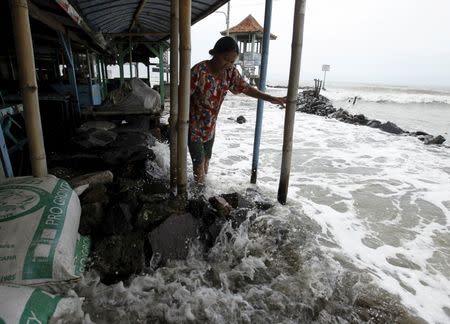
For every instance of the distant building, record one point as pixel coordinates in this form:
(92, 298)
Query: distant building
(249, 36)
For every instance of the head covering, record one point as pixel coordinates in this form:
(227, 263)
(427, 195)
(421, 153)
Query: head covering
(225, 44)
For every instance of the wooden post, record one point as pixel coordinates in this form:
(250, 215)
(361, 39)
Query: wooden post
(121, 68)
(294, 74)
(131, 60)
(174, 68)
(148, 72)
(184, 94)
(28, 85)
(137, 70)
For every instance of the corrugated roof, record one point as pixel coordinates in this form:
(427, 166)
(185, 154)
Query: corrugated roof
(246, 26)
(117, 16)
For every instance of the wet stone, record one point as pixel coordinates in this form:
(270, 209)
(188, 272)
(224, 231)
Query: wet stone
(91, 218)
(118, 219)
(391, 128)
(222, 206)
(241, 120)
(124, 154)
(182, 229)
(95, 194)
(93, 138)
(435, 140)
(117, 257)
(374, 123)
(152, 214)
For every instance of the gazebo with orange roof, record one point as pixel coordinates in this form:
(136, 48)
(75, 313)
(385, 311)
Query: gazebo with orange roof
(249, 36)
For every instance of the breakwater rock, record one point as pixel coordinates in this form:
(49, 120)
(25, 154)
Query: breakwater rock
(308, 103)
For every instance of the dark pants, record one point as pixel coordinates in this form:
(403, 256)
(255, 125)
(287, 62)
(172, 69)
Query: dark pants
(199, 151)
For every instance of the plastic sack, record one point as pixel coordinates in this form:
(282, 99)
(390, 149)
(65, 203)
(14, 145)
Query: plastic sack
(39, 240)
(24, 305)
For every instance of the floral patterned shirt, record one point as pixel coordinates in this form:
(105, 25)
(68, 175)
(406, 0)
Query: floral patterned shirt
(207, 94)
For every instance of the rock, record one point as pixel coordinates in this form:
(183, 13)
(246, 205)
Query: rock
(340, 114)
(391, 128)
(260, 202)
(127, 138)
(152, 214)
(419, 133)
(93, 138)
(81, 161)
(241, 120)
(171, 239)
(360, 119)
(120, 155)
(374, 123)
(118, 219)
(222, 206)
(92, 178)
(95, 194)
(98, 124)
(91, 218)
(435, 140)
(119, 256)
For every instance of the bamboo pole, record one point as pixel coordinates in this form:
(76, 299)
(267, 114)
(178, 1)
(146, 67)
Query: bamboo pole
(28, 85)
(174, 68)
(184, 94)
(294, 74)
(131, 59)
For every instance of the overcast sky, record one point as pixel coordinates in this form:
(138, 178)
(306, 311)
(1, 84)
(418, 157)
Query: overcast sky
(397, 42)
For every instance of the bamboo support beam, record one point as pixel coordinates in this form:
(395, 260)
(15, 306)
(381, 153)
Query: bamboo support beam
(28, 85)
(174, 68)
(184, 94)
(294, 74)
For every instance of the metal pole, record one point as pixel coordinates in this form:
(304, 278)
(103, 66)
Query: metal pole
(262, 87)
(105, 78)
(228, 18)
(294, 74)
(184, 94)
(137, 70)
(148, 73)
(67, 47)
(162, 91)
(28, 85)
(174, 68)
(88, 58)
(324, 76)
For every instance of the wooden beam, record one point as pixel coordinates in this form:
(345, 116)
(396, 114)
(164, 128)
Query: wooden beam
(97, 37)
(50, 21)
(137, 13)
(137, 34)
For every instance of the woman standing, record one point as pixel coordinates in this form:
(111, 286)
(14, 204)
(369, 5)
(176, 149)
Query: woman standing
(210, 81)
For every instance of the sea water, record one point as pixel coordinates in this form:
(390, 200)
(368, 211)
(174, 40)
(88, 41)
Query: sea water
(367, 212)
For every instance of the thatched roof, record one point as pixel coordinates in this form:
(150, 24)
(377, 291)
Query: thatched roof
(247, 26)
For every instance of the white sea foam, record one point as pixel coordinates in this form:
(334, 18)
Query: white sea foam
(356, 194)
(382, 198)
(386, 94)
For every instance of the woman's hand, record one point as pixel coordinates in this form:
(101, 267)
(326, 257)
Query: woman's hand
(278, 100)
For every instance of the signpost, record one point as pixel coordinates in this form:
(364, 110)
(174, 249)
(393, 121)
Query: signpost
(325, 69)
